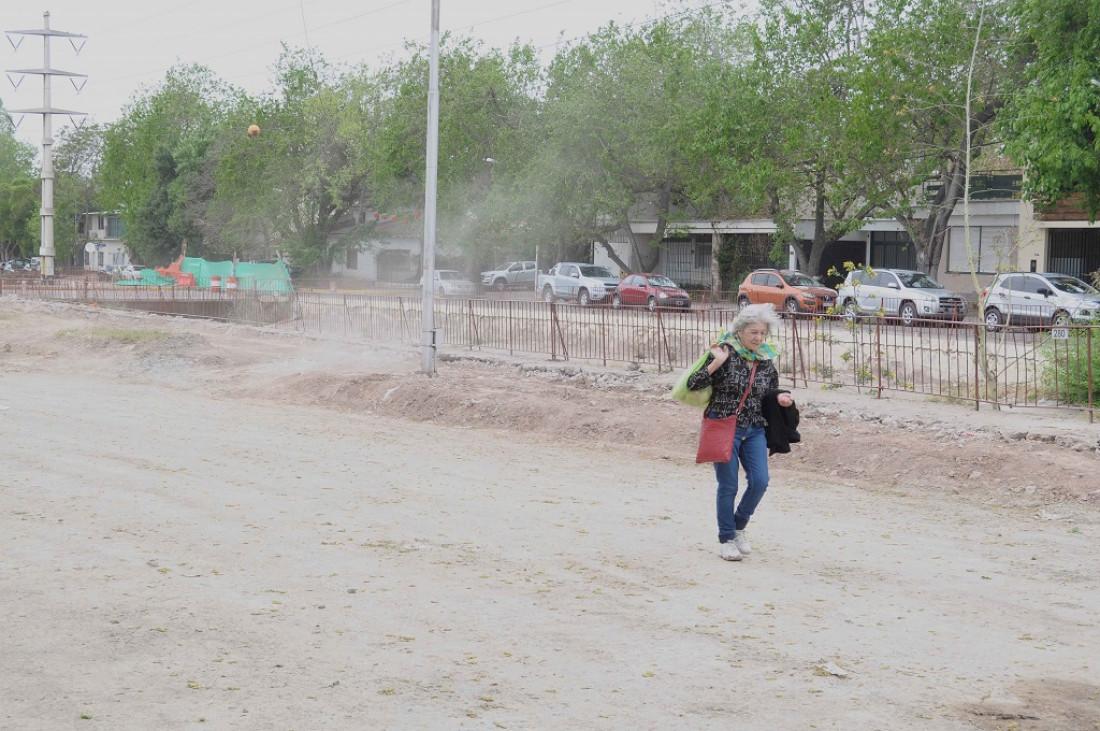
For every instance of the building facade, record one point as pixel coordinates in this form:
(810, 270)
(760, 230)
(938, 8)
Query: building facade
(996, 231)
(104, 247)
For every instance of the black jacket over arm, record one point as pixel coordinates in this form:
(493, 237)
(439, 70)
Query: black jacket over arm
(782, 427)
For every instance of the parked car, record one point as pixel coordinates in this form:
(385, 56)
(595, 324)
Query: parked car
(789, 290)
(586, 282)
(31, 264)
(651, 290)
(1039, 298)
(130, 271)
(451, 283)
(906, 294)
(511, 275)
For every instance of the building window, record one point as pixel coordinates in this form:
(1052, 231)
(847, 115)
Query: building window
(115, 229)
(353, 259)
(990, 249)
(892, 250)
(703, 255)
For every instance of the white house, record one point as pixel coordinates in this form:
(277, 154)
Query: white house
(390, 253)
(104, 247)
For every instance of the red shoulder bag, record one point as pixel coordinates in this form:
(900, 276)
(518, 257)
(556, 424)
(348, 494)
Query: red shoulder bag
(716, 435)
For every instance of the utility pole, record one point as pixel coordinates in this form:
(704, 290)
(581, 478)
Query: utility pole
(427, 295)
(47, 110)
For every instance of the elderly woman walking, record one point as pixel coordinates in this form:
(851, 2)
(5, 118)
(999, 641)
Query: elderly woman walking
(730, 365)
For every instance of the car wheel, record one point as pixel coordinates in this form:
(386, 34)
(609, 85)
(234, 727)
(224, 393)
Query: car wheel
(583, 298)
(743, 302)
(993, 318)
(851, 309)
(791, 306)
(548, 294)
(439, 292)
(908, 313)
(616, 301)
(1061, 319)
(500, 285)
(651, 303)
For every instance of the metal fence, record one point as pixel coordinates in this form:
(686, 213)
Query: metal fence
(967, 362)
(958, 361)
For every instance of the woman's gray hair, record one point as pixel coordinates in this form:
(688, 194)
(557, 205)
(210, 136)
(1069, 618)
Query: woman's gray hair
(753, 314)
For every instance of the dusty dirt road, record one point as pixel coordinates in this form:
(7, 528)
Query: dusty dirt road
(205, 526)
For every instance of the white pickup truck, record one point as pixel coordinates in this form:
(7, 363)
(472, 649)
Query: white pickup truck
(585, 283)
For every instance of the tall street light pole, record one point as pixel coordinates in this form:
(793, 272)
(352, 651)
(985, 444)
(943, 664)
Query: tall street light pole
(427, 297)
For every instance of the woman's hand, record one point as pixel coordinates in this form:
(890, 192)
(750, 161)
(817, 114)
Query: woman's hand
(721, 355)
(785, 399)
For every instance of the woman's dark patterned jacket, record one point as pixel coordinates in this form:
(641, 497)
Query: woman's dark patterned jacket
(729, 381)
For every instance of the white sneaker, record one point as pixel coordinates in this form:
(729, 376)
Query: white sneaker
(742, 542)
(729, 551)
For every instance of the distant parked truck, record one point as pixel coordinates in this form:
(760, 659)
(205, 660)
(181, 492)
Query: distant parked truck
(586, 283)
(513, 275)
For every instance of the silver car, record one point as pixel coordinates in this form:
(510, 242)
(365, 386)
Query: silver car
(451, 283)
(1039, 298)
(906, 294)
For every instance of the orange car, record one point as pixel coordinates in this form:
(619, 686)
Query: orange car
(790, 291)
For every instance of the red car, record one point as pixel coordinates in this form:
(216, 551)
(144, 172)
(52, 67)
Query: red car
(651, 290)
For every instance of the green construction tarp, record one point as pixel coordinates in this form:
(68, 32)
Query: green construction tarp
(149, 278)
(273, 278)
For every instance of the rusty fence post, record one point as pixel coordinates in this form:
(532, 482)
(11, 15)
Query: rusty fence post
(1088, 352)
(475, 335)
(553, 331)
(978, 367)
(878, 354)
(603, 336)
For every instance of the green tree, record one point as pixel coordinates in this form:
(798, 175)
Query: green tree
(20, 228)
(487, 100)
(824, 143)
(76, 159)
(298, 179)
(619, 136)
(149, 159)
(942, 68)
(1052, 121)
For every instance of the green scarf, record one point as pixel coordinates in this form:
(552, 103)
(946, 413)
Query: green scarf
(768, 349)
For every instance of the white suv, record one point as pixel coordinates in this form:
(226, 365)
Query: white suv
(903, 293)
(1033, 298)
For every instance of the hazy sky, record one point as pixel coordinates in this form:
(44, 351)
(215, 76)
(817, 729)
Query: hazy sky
(131, 43)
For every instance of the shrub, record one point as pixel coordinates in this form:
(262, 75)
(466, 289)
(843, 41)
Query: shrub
(1065, 369)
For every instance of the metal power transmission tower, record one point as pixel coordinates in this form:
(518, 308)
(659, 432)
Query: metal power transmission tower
(47, 110)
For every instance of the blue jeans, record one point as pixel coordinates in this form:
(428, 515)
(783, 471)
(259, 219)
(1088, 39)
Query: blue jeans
(750, 448)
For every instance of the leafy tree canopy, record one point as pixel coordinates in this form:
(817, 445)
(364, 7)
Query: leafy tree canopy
(1052, 122)
(150, 155)
(20, 228)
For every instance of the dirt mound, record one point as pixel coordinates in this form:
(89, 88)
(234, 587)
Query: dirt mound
(853, 439)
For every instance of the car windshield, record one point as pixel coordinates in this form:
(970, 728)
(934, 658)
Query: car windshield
(448, 274)
(594, 271)
(918, 280)
(661, 282)
(798, 279)
(1073, 285)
